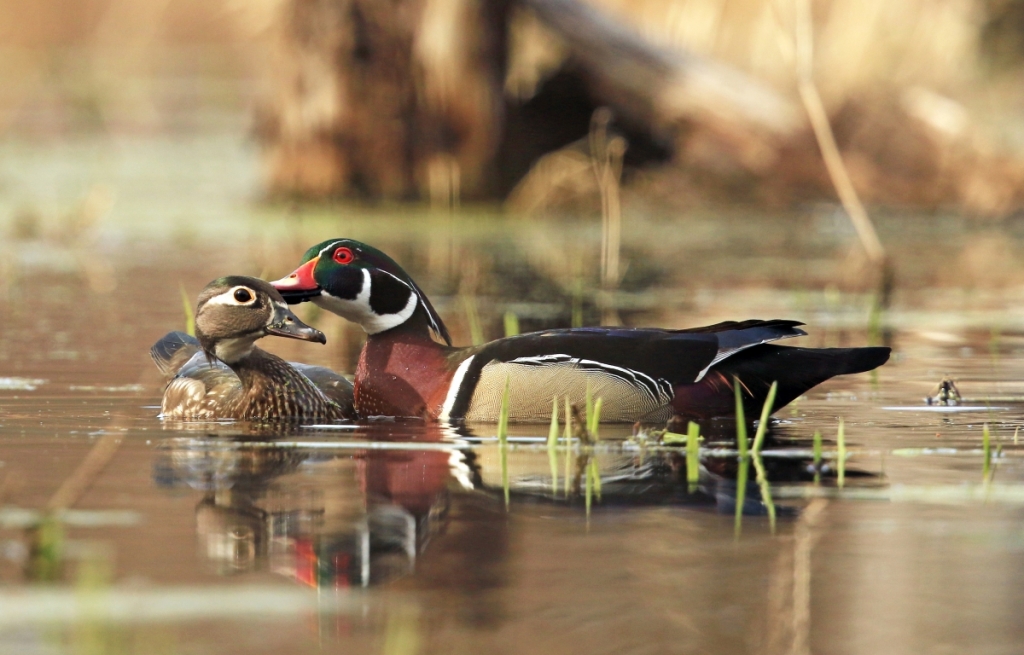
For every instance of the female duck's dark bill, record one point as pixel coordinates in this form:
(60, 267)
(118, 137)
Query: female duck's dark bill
(296, 330)
(287, 324)
(299, 286)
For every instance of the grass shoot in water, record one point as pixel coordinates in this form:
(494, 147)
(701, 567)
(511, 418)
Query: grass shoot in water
(577, 303)
(692, 455)
(552, 445)
(743, 460)
(46, 550)
(190, 317)
(588, 490)
(841, 456)
(766, 411)
(476, 332)
(595, 473)
(503, 440)
(741, 421)
(511, 324)
(762, 476)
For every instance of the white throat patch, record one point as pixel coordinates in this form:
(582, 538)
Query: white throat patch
(358, 310)
(230, 351)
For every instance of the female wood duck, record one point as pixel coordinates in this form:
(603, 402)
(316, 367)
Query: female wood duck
(222, 375)
(644, 374)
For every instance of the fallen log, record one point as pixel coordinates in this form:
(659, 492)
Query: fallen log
(405, 100)
(670, 90)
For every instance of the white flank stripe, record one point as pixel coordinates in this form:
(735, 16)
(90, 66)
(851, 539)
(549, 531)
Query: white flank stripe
(453, 388)
(657, 390)
(651, 389)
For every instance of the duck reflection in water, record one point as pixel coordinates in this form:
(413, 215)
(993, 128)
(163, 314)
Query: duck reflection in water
(365, 516)
(352, 520)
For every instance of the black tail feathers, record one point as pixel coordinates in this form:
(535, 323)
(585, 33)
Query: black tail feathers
(797, 370)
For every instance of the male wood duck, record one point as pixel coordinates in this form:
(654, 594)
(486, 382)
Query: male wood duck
(223, 375)
(644, 374)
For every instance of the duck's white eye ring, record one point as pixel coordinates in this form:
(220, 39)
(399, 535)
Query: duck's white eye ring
(240, 296)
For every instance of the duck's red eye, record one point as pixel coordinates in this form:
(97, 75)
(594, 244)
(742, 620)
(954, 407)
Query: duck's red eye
(343, 256)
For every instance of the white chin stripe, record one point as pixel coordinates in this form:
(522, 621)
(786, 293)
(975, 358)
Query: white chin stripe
(358, 310)
(453, 389)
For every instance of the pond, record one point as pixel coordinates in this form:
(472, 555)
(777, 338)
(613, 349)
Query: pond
(120, 533)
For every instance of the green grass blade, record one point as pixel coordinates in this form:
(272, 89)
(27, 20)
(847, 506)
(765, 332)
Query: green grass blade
(476, 332)
(595, 420)
(46, 552)
(743, 460)
(669, 438)
(511, 324)
(741, 420)
(766, 490)
(766, 411)
(588, 490)
(190, 317)
(577, 303)
(759, 470)
(595, 472)
(692, 455)
(741, 494)
(589, 407)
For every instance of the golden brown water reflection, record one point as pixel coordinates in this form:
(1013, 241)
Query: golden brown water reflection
(394, 537)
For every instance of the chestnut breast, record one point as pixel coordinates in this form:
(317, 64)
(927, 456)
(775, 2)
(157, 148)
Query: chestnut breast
(401, 376)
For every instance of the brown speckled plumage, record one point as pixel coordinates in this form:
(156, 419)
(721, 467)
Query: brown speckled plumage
(261, 386)
(220, 374)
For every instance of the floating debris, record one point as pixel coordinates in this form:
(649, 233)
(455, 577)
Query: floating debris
(20, 518)
(20, 384)
(108, 388)
(944, 409)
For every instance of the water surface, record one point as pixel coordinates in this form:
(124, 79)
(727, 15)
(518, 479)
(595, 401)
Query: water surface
(395, 537)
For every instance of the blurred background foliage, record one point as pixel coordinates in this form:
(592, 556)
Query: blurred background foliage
(442, 101)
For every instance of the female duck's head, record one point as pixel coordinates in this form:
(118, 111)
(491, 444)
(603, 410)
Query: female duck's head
(361, 284)
(235, 311)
